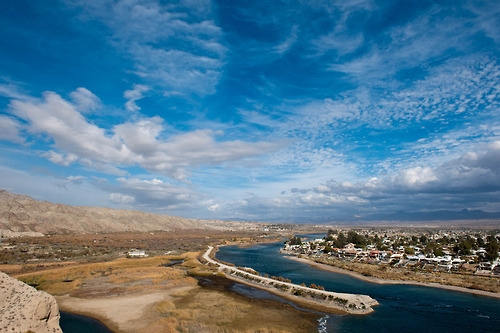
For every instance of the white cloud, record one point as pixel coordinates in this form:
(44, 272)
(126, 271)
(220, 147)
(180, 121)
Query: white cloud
(472, 180)
(134, 95)
(132, 143)
(288, 42)
(75, 179)
(11, 89)
(120, 198)
(158, 194)
(60, 159)
(213, 207)
(10, 129)
(165, 41)
(43, 186)
(85, 100)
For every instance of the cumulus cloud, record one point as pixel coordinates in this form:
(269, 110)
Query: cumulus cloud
(472, 180)
(131, 143)
(61, 159)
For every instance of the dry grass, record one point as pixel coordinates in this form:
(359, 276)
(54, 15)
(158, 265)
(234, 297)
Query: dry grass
(203, 310)
(129, 274)
(193, 309)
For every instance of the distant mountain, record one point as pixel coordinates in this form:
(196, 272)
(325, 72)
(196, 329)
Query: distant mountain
(30, 217)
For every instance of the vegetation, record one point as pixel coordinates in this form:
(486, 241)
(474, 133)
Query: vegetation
(295, 241)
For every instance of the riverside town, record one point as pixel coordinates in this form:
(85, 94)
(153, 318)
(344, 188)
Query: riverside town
(469, 252)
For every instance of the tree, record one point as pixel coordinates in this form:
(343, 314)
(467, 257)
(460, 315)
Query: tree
(423, 239)
(340, 242)
(355, 238)
(492, 248)
(438, 252)
(332, 232)
(329, 238)
(295, 241)
(409, 250)
(327, 249)
(464, 246)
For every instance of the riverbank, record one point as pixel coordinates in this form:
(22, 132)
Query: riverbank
(121, 314)
(328, 301)
(166, 294)
(388, 281)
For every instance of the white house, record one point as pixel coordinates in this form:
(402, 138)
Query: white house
(137, 254)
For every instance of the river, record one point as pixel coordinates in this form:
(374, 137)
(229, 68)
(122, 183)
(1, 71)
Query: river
(403, 308)
(73, 323)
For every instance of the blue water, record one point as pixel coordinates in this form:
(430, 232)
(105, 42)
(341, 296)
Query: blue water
(403, 308)
(73, 323)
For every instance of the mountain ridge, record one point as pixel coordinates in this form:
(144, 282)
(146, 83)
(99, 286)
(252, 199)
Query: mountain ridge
(21, 214)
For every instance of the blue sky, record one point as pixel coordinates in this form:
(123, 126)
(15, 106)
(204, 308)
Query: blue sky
(284, 110)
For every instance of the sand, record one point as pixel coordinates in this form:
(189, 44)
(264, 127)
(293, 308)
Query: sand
(127, 313)
(386, 281)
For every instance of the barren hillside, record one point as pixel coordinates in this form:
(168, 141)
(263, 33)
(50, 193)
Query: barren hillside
(21, 213)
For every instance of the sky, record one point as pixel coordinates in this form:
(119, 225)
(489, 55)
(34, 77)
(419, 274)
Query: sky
(290, 111)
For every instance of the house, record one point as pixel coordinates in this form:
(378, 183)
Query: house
(350, 253)
(136, 254)
(379, 255)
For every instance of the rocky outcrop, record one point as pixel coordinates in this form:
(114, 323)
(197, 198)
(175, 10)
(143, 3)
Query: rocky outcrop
(25, 309)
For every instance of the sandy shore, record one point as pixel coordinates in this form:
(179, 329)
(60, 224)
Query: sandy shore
(386, 281)
(127, 313)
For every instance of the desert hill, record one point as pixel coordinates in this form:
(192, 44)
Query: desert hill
(23, 215)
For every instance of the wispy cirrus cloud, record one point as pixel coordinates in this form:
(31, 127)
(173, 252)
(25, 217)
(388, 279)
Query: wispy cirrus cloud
(133, 96)
(10, 129)
(177, 47)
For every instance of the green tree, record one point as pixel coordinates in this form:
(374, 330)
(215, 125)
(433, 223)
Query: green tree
(464, 246)
(295, 241)
(332, 232)
(341, 241)
(438, 251)
(492, 248)
(410, 250)
(355, 238)
(423, 239)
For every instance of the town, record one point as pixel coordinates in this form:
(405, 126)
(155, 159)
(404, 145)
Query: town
(462, 251)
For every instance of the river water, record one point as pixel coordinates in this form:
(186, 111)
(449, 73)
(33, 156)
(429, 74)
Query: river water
(403, 308)
(73, 323)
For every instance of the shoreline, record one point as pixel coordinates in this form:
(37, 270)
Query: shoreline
(100, 322)
(377, 280)
(119, 314)
(354, 303)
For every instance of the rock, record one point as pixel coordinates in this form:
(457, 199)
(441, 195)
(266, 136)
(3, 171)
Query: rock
(24, 309)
